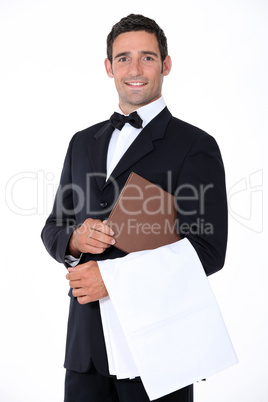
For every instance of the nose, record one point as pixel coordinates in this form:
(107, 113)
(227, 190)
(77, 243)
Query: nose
(135, 68)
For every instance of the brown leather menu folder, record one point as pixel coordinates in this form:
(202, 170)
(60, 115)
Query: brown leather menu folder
(144, 216)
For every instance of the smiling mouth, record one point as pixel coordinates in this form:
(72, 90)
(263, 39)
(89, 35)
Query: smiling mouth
(136, 84)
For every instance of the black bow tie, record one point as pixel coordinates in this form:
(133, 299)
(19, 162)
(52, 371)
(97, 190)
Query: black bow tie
(118, 120)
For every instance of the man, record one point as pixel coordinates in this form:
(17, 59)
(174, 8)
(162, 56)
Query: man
(175, 155)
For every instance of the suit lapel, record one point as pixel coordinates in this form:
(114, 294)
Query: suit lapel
(98, 152)
(143, 144)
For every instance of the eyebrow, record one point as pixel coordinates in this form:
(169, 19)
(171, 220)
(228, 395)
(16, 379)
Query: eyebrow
(141, 52)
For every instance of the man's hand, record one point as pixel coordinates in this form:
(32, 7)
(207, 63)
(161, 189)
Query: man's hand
(86, 282)
(93, 236)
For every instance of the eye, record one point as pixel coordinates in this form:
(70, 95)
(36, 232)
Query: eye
(123, 59)
(148, 58)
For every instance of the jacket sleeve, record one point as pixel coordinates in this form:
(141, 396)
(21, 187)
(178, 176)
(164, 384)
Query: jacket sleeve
(202, 203)
(61, 222)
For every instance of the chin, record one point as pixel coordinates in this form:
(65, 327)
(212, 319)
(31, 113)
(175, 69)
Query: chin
(139, 101)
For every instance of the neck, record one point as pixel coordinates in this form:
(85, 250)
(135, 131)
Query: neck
(128, 108)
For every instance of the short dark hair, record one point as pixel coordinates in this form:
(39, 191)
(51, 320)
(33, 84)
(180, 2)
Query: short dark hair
(137, 22)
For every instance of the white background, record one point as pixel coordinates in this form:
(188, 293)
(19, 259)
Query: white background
(53, 83)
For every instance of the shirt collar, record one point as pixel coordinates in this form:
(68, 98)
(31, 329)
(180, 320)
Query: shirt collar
(150, 111)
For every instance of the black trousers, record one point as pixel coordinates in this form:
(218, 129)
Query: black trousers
(94, 387)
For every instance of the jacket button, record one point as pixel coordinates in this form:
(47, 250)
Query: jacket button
(103, 204)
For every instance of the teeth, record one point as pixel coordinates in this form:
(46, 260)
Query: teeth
(136, 84)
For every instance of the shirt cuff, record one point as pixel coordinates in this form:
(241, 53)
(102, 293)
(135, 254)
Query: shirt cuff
(72, 261)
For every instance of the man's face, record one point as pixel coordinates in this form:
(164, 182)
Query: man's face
(137, 69)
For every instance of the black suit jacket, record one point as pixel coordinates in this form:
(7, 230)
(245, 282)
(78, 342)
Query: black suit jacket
(180, 158)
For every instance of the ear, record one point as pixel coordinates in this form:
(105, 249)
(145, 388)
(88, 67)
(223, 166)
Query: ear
(167, 64)
(108, 68)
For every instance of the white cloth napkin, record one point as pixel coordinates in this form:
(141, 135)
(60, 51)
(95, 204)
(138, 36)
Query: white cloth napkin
(161, 320)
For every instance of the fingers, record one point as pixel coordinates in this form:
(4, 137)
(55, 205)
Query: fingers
(86, 282)
(81, 271)
(77, 282)
(99, 226)
(94, 236)
(98, 235)
(77, 272)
